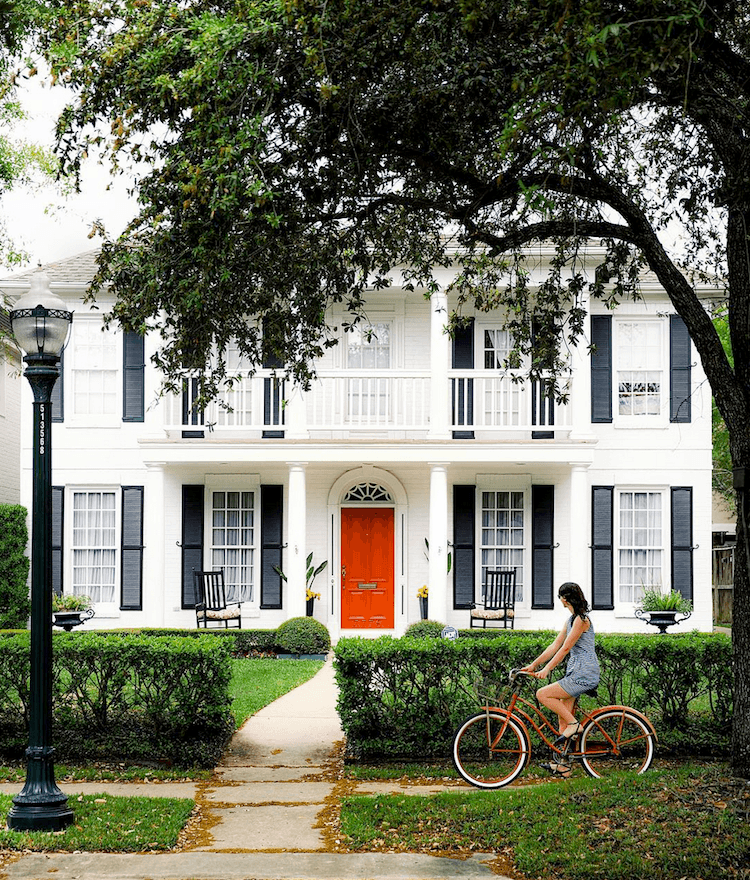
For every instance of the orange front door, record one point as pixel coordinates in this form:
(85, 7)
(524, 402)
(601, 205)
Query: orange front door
(367, 584)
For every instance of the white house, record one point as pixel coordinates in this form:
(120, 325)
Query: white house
(410, 448)
(10, 414)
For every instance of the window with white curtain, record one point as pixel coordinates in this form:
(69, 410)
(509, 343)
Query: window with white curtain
(639, 367)
(94, 355)
(497, 346)
(94, 544)
(641, 551)
(369, 349)
(233, 541)
(502, 519)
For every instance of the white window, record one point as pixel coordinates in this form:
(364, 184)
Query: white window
(369, 350)
(640, 352)
(94, 353)
(233, 536)
(94, 544)
(497, 347)
(640, 537)
(502, 518)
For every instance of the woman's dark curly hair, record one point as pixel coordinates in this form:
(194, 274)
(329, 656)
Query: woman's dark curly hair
(572, 593)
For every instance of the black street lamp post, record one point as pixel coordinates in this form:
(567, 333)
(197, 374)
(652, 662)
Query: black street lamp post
(40, 325)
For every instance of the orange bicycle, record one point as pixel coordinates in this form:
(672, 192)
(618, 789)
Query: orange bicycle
(492, 749)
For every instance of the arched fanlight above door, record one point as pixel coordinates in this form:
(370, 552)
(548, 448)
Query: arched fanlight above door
(368, 493)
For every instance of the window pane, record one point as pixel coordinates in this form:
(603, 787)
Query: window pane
(640, 554)
(233, 544)
(94, 545)
(503, 534)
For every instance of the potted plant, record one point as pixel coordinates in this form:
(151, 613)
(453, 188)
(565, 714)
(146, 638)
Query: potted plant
(70, 610)
(422, 594)
(661, 609)
(311, 572)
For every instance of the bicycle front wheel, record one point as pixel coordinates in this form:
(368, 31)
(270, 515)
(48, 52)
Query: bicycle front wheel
(491, 749)
(616, 739)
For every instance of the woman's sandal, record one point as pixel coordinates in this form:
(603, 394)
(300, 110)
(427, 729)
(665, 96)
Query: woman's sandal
(556, 769)
(570, 731)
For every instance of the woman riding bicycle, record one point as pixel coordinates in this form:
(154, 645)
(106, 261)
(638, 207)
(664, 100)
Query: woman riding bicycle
(576, 639)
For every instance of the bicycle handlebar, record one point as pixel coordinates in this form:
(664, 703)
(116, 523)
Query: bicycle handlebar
(515, 673)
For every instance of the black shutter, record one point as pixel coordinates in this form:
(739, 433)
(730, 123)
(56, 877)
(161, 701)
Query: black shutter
(58, 511)
(542, 540)
(57, 397)
(192, 540)
(682, 540)
(462, 390)
(271, 537)
(601, 368)
(602, 548)
(132, 549)
(463, 546)
(133, 371)
(679, 371)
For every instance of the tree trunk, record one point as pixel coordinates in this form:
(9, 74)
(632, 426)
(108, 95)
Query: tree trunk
(741, 639)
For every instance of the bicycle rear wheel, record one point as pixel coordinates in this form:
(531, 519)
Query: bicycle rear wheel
(491, 749)
(616, 739)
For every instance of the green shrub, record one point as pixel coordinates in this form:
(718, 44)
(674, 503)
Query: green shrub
(15, 605)
(424, 629)
(404, 698)
(125, 696)
(303, 635)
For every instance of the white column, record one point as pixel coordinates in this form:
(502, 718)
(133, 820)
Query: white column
(296, 553)
(580, 392)
(438, 538)
(440, 355)
(580, 528)
(156, 596)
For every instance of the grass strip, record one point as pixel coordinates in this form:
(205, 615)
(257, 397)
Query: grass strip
(256, 683)
(104, 823)
(689, 822)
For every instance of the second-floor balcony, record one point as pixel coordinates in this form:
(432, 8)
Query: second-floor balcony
(384, 404)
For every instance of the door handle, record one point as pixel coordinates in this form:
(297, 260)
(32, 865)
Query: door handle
(343, 572)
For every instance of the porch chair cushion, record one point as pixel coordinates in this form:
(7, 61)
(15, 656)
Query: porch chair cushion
(499, 599)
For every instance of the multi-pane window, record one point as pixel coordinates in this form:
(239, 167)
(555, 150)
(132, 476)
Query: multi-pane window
(233, 542)
(497, 346)
(639, 361)
(94, 545)
(503, 534)
(94, 371)
(369, 349)
(640, 543)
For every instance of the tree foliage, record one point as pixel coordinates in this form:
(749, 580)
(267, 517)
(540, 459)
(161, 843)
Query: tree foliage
(299, 149)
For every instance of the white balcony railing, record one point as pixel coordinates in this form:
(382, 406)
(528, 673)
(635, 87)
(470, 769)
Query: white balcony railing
(486, 405)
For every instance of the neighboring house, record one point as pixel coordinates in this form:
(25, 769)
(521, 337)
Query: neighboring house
(405, 435)
(10, 414)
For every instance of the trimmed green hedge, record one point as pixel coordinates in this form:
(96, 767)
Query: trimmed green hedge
(15, 605)
(404, 698)
(124, 696)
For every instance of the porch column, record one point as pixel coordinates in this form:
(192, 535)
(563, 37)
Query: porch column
(295, 414)
(296, 541)
(438, 538)
(580, 528)
(440, 359)
(155, 600)
(580, 392)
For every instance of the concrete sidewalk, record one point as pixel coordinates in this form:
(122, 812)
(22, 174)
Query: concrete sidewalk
(263, 814)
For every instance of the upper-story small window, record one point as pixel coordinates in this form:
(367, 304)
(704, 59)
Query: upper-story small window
(369, 347)
(640, 365)
(94, 355)
(497, 347)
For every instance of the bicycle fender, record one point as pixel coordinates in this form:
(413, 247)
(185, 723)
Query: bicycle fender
(644, 718)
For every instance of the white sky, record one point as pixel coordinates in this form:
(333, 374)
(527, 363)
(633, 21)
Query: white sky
(46, 224)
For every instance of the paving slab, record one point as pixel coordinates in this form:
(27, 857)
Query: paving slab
(273, 793)
(123, 789)
(244, 866)
(288, 827)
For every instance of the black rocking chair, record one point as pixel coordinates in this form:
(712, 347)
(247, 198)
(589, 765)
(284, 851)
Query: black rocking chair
(499, 600)
(211, 604)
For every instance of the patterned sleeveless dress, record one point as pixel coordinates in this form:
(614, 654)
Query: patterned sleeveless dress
(582, 673)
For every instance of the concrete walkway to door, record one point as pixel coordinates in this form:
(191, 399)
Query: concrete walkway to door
(265, 813)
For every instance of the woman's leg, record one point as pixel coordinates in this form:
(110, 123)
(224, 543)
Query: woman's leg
(558, 701)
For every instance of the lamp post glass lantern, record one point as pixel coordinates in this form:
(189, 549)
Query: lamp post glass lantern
(40, 324)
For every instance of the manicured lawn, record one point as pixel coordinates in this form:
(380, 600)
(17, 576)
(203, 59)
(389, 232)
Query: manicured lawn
(691, 822)
(256, 683)
(107, 824)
